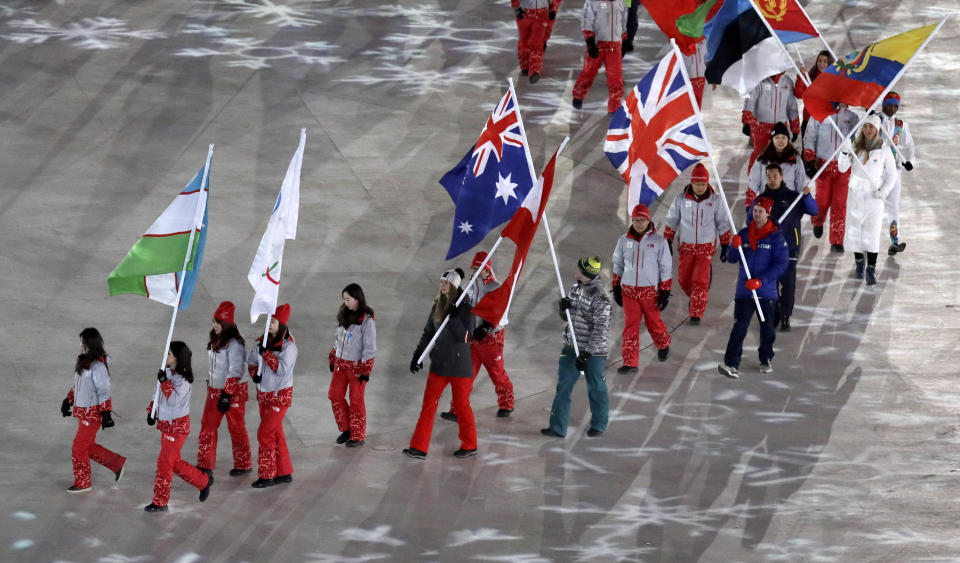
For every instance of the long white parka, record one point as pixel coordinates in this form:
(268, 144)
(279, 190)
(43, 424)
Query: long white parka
(865, 199)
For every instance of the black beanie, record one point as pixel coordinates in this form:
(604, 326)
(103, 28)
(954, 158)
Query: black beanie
(780, 129)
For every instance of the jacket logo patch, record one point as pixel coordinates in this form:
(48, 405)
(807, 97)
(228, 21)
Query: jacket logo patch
(629, 244)
(689, 203)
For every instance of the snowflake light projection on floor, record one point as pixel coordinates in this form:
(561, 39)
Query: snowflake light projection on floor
(88, 33)
(254, 54)
(291, 14)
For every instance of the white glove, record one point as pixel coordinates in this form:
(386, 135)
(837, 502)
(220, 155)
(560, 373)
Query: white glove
(843, 161)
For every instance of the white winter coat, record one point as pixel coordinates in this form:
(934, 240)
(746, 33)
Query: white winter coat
(865, 200)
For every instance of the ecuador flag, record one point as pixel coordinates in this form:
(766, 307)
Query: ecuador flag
(860, 77)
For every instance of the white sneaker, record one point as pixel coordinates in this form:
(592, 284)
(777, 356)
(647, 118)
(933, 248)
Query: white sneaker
(728, 371)
(767, 367)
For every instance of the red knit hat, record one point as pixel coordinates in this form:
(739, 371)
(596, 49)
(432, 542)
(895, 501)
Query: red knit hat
(224, 312)
(765, 202)
(478, 259)
(640, 211)
(282, 314)
(700, 174)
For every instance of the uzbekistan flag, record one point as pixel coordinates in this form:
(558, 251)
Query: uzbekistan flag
(741, 52)
(788, 20)
(860, 77)
(154, 267)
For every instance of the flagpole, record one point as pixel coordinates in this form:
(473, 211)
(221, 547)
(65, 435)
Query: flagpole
(884, 93)
(546, 223)
(197, 216)
(463, 294)
(716, 172)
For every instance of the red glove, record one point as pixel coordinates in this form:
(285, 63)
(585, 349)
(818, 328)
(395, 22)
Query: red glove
(271, 360)
(754, 284)
(252, 370)
(736, 242)
(808, 154)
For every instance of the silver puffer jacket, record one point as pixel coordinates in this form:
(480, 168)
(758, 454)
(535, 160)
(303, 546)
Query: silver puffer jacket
(590, 312)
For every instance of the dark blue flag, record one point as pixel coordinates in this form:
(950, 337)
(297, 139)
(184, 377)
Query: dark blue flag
(489, 183)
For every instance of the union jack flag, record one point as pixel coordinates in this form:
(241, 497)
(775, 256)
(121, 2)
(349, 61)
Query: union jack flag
(657, 132)
(491, 180)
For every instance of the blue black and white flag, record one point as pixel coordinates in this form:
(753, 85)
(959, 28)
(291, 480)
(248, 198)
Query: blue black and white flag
(491, 180)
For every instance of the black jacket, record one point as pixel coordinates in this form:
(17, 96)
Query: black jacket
(789, 225)
(450, 356)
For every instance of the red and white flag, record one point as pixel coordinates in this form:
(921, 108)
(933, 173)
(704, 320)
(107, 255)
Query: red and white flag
(521, 228)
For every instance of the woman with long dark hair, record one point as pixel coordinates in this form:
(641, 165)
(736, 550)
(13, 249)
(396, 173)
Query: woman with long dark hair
(450, 363)
(779, 151)
(226, 394)
(274, 379)
(824, 59)
(351, 361)
(91, 406)
(173, 421)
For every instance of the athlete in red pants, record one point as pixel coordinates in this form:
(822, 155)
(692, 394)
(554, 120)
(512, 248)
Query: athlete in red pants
(604, 26)
(533, 20)
(273, 457)
(640, 304)
(351, 362)
(460, 387)
(832, 196)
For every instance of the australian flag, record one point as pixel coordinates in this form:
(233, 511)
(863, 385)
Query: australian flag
(490, 182)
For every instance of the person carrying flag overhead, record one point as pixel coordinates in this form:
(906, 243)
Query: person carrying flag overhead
(604, 29)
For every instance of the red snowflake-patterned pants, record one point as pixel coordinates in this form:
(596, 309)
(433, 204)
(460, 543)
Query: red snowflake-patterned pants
(640, 304)
(693, 275)
(168, 463)
(352, 416)
(85, 448)
(210, 425)
(531, 32)
(273, 457)
(489, 353)
(832, 196)
(611, 58)
(461, 387)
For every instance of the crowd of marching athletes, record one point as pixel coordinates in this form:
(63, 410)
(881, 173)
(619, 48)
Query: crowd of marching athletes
(859, 190)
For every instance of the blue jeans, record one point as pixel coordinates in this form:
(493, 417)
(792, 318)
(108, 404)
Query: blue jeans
(743, 311)
(567, 375)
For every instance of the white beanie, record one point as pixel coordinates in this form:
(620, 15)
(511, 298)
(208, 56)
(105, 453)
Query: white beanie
(452, 277)
(872, 119)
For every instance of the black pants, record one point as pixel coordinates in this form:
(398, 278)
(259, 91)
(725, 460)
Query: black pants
(632, 23)
(788, 288)
(743, 311)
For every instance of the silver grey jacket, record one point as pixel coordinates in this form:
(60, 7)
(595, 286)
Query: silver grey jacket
(643, 263)
(178, 403)
(283, 377)
(697, 222)
(476, 292)
(822, 138)
(607, 19)
(227, 363)
(590, 313)
(92, 387)
(357, 343)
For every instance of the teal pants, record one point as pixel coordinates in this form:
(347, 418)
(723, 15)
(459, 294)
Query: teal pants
(567, 375)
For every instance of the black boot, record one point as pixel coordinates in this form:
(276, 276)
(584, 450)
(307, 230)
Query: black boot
(205, 492)
(859, 272)
(871, 277)
(577, 104)
(663, 353)
(785, 324)
(818, 231)
(344, 436)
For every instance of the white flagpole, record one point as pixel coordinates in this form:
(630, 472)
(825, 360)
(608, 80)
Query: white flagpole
(197, 217)
(716, 173)
(546, 224)
(463, 295)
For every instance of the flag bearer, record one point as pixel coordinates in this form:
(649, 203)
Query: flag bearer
(173, 422)
(699, 217)
(226, 394)
(642, 276)
(351, 362)
(589, 309)
(274, 395)
(904, 151)
(604, 28)
(92, 406)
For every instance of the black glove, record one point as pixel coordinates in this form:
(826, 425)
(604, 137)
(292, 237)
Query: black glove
(746, 129)
(908, 166)
(663, 298)
(723, 252)
(592, 49)
(106, 419)
(552, 15)
(810, 167)
(581, 360)
(65, 408)
(150, 420)
(565, 304)
(223, 404)
(482, 331)
(618, 295)
(261, 349)
(794, 139)
(415, 366)
(161, 375)
(518, 12)
(365, 377)
(257, 378)
(670, 246)
(331, 368)
(626, 47)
